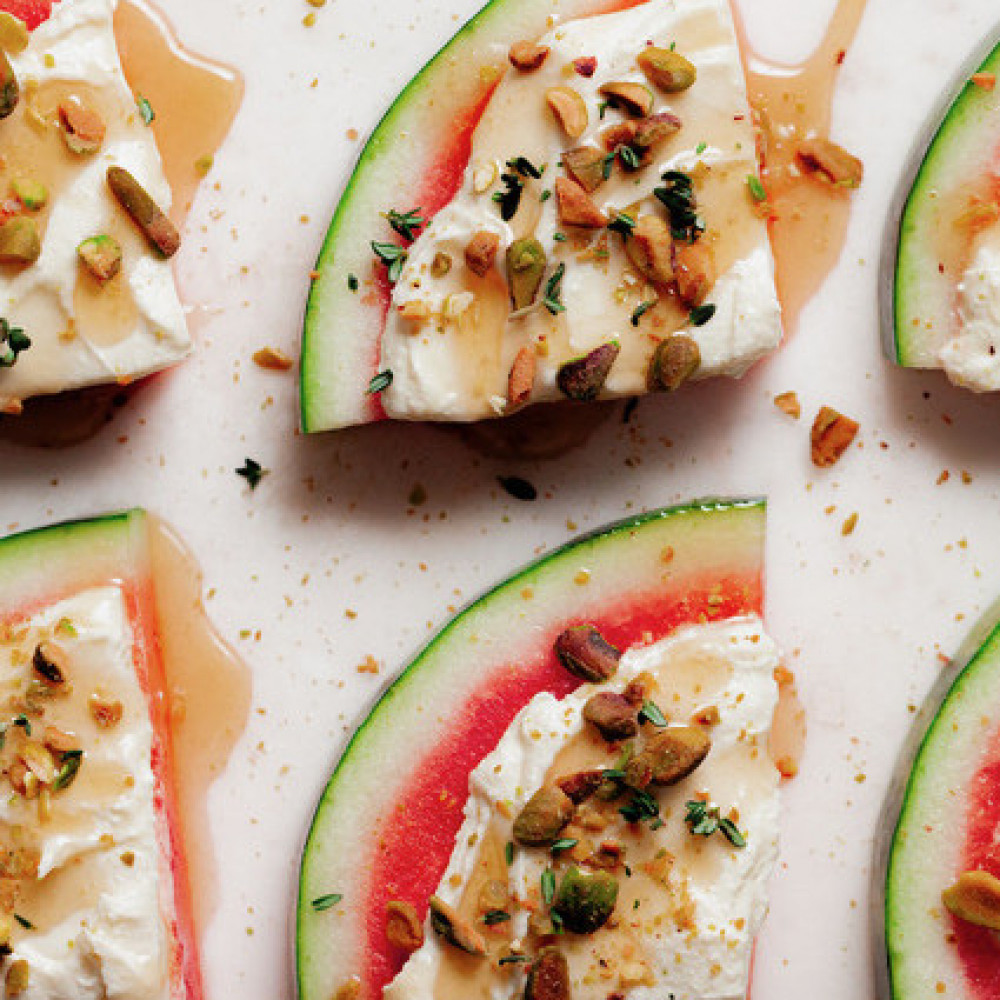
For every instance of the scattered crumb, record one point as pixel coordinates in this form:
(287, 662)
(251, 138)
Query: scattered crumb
(832, 434)
(943, 478)
(788, 402)
(369, 665)
(850, 524)
(272, 359)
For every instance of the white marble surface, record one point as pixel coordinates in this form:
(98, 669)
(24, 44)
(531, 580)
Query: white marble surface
(864, 617)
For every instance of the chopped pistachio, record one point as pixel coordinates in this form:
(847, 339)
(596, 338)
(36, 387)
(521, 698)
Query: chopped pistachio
(570, 110)
(20, 242)
(30, 193)
(144, 212)
(583, 378)
(102, 256)
(543, 816)
(527, 56)
(10, 91)
(526, 262)
(83, 127)
(636, 99)
(667, 69)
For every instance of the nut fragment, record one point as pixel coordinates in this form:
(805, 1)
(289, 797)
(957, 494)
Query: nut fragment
(440, 265)
(653, 131)
(106, 712)
(19, 241)
(144, 212)
(650, 248)
(832, 434)
(50, 663)
(18, 977)
(585, 900)
(788, 402)
(13, 34)
(543, 816)
(668, 757)
(447, 923)
(667, 69)
(481, 253)
(612, 715)
(635, 99)
(586, 654)
(694, 270)
(674, 361)
(570, 110)
(581, 785)
(548, 977)
(525, 269)
(19, 862)
(403, 926)
(833, 163)
(10, 91)
(272, 359)
(583, 378)
(83, 127)
(527, 56)
(576, 207)
(585, 165)
(586, 66)
(59, 741)
(521, 379)
(975, 898)
(30, 193)
(102, 256)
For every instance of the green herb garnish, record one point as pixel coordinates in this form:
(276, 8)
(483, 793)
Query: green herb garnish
(629, 157)
(24, 922)
(650, 712)
(558, 237)
(321, 903)
(704, 819)
(548, 883)
(677, 196)
(352, 282)
(513, 959)
(406, 224)
(700, 315)
(145, 109)
(637, 314)
(510, 198)
(602, 109)
(13, 340)
(563, 844)
(545, 195)
(24, 722)
(641, 806)
(393, 256)
(519, 489)
(607, 164)
(252, 472)
(622, 223)
(524, 167)
(508, 853)
(379, 383)
(756, 188)
(700, 148)
(493, 917)
(70, 767)
(553, 292)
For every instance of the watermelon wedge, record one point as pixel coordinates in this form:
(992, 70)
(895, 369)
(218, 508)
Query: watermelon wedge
(947, 199)
(46, 570)
(940, 820)
(386, 824)
(32, 12)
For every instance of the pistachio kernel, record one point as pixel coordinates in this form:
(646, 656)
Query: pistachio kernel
(144, 212)
(586, 654)
(581, 785)
(585, 900)
(635, 99)
(481, 252)
(83, 127)
(585, 165)
(526, 263)
(674, 361)
(30, 193)
(576, 207)
(10, 91)
(668, 757)
(583, 378)
(666, 69)
(612, 715)
(402, 925)
(975, 898)
(20, 242)
(570, 110)
(543, 817)
(50, 663)
(548, 976)
(102, 257)
(527, 56)
(447, 924)
(18, 978)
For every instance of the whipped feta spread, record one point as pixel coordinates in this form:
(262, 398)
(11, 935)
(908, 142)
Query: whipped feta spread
(971, 358)
(692, 936)
(451, 338)
(82, 334)
(98, 930)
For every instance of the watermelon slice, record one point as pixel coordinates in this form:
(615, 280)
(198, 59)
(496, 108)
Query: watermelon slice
(386, 824)
(40, 569)
(32, 12)
(940, 820)
(417, 154)
(945, 200)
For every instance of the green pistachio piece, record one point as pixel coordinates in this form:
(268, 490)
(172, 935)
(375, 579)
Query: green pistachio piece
(102, 256)
(585, 900)
(525, 269)
(667, 69)
(635, 99)
(583, 378)
(543, 817)
(447, 923)
(31, 193)
(612, 715)
(668, 757)
(586, 654)
(144, 212)
(19, 241)
(10, 91)
(674, 361)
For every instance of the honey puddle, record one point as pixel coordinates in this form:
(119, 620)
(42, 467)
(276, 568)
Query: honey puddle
(210, 692)
(793, 102)
(195, 102)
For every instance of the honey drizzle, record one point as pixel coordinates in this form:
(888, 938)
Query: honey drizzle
(791, 102)
(210, 703)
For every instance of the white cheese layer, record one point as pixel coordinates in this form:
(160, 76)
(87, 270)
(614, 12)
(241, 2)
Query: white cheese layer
(454, 364)
(99, 930)
(971, 357)
(76, 46)
(709, 960)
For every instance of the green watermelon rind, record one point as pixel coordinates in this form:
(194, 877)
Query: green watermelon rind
(943, 739)
(946, 146)
(338, 341)
(740, 517)
(42, 563)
